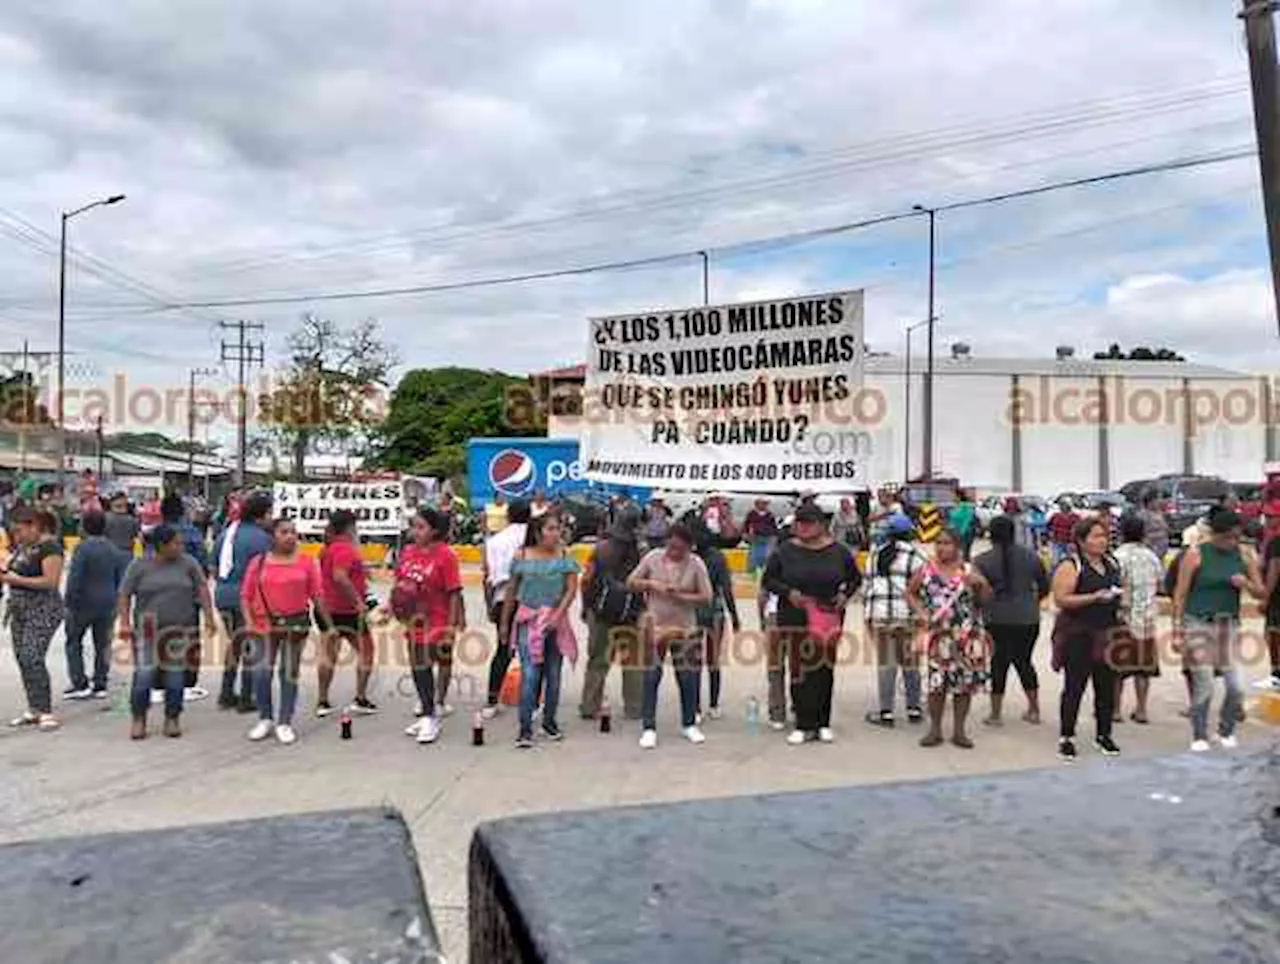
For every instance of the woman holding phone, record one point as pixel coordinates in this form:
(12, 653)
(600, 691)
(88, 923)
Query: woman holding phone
(1086, 590)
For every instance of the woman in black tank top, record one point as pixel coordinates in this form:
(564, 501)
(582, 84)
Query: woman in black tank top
(1086, 589)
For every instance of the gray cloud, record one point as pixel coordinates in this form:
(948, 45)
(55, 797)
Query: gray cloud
(290, 146)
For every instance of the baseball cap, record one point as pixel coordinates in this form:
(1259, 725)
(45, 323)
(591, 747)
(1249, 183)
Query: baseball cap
(810, 513)
(898, 524)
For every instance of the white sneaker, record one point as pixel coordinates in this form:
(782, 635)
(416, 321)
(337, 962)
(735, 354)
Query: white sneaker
(1229, 742)
(413, 728)
(694, 735)
(777, 726)
(429, 731)
(1199, 746)
(649, 740)
(826, 735)
(26, 719)
(285, 734)
(489, 712)
(261, 730)
(797, 737)
(715, 713)
(1267, 683)
(193, 694)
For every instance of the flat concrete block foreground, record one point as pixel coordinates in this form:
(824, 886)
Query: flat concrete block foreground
(90, 778)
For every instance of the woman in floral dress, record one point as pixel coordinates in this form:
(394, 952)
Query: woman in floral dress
(944, 597)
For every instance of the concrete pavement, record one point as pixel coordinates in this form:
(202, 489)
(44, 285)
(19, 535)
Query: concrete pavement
(90, 778)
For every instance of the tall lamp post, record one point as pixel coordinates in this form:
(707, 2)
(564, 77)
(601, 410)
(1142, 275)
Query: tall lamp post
(927, 445)
(906, 406)
(62, 331)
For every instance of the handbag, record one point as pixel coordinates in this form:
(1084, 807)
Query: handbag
(292, 623)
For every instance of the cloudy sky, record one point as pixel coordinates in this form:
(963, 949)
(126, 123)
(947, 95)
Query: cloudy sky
(296, 148)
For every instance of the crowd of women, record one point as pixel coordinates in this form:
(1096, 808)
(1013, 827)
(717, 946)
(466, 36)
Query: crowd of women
(951, 629)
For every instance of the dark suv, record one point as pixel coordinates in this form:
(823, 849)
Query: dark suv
(1186, 498)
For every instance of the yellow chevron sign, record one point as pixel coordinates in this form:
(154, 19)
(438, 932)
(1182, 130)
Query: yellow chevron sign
(929, 523)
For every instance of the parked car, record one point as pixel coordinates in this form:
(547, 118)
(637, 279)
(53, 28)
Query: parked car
(1185, 498)
(1135, 490)
(1249, 505)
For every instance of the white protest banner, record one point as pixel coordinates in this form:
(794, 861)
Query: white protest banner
(379, 507)
(761, 396)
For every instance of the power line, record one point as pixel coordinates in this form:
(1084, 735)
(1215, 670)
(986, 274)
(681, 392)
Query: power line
(790, 238)
(868, 155)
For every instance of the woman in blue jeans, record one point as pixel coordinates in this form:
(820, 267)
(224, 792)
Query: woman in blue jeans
(159, 608)
(543, 584)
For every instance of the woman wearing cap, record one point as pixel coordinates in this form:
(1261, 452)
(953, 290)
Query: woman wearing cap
(890, 624)
(161, 599)
(35, 608)
(945, 596)
(1206, 622)
(813, 577)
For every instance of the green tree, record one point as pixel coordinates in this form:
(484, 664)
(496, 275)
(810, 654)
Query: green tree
(332, 389)
(434, 411)
(1141, 353)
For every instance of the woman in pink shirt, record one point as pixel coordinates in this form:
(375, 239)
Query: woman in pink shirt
(279, 590)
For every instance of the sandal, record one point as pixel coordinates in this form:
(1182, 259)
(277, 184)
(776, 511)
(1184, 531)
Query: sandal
(993, 721)
(962, 741)
(931, 739)
(138, 730)
(1032, 718)
(1134, 717)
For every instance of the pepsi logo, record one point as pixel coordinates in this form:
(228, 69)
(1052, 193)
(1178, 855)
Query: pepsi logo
(512, 472)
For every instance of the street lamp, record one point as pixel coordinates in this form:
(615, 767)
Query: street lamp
(62, 331)
(927, 462)
(906, 407)
(706, 277)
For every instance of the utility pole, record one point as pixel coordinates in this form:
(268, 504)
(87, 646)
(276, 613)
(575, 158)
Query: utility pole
(706, 277)
(1260, 35)
(192, 375)
(243, 353)
(98, 436)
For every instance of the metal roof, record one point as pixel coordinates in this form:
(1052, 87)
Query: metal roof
(175, 463)
(1066, 368)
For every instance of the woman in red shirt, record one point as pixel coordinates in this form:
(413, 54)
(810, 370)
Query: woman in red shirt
(344, 586)
(280, 587)
(427, 599)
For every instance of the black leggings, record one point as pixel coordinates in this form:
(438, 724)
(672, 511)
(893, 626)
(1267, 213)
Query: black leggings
(1012, 646)
(1081, 668)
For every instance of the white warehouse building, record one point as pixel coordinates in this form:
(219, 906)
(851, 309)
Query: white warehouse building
(1042, 425)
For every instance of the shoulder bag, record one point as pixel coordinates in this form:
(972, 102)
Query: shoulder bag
(291, 623)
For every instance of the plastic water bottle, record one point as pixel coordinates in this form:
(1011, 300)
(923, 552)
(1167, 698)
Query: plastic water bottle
(344, 722)
(606, 718)
(477, 729)
(753, 714)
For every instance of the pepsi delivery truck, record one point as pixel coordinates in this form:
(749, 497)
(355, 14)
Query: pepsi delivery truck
(519, 467)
